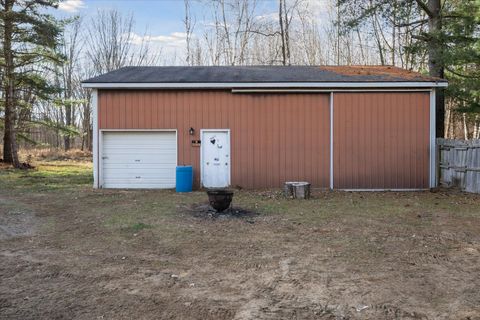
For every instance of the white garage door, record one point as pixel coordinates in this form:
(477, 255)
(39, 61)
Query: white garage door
(139, 159)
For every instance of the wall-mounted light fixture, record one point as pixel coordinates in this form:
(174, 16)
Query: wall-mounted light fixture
(191, 131)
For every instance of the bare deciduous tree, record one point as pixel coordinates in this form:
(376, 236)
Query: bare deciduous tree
(111, 43)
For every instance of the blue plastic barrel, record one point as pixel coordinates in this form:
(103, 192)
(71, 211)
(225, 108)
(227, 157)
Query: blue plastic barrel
(184, 175)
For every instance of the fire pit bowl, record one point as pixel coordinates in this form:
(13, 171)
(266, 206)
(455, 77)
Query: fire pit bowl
(220, 199)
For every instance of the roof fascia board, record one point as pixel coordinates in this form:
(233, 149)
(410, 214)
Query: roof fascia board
(233, 85)
(313, 90)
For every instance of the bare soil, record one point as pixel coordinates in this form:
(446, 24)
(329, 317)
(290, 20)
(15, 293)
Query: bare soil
(77, 253)
(205, 211)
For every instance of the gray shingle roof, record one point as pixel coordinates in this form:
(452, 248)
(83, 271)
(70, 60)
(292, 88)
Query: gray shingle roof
(259, 74)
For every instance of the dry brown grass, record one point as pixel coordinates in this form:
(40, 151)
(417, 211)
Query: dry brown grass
(32, 155)
(53, 154)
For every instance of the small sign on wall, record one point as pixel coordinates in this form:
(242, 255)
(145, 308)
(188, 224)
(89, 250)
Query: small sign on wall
(196, 143)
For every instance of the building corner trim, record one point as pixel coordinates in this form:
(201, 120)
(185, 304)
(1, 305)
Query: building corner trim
(331, 140)
(96, 183)
(433, 152)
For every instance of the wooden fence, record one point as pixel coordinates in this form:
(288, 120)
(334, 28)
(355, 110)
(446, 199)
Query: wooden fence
(460, 164)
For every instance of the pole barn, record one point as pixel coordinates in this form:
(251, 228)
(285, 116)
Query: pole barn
(349, 128)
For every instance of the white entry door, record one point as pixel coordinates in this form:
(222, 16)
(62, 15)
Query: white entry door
(215, 158)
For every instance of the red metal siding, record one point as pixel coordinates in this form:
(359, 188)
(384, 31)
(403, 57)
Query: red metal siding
(381, 140)
(274, 137)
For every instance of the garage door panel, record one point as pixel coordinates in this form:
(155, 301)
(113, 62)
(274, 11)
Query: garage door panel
(139, 147)
(156, 149)
(139, 159)
(381, 140)
(134, 172)
(143, 166)
(132, 137)
(138, 184)
(125, 158)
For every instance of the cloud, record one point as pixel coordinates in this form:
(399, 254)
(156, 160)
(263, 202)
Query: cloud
(171, 46)
(71, 6)
(174, 39)
(267, 17)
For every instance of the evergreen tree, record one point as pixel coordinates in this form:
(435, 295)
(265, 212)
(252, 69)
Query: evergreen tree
(29, 38)
(447, 31)
(462, 54)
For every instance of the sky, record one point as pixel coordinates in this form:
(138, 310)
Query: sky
(161, 20)
(161, 17)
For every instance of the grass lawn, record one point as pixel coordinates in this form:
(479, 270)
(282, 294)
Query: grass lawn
(68, 251)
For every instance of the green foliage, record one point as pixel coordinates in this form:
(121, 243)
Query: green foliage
(462, 57)
(31, 37)
(66, 130)
(456, 43)
(136, 227)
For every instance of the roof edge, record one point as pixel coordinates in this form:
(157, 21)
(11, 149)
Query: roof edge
(233, 85)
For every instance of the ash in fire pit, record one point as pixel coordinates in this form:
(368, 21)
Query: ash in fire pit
(205, 211)
(220, 199)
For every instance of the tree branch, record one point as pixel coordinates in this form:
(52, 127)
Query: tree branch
(423, 38)
(409, 24)
(461, 74)
(425, 8)
(276, 33)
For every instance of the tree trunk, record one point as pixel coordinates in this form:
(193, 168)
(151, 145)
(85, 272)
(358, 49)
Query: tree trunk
(286, 33)
(394, 33)
(465, 126)
(475, 128)
(338, 33)
(68, 108)
(282, 32)
(10, 150)
(68, 122)
(435, 60)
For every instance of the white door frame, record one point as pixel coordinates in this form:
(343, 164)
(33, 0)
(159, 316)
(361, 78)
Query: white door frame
(229, 152)
(100, 146)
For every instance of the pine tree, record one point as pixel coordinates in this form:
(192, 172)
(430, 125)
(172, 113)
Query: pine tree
(29, 38)
(446, 31)
(462, 55)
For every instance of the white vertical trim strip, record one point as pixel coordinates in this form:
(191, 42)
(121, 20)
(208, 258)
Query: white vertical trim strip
(95, 146)
(433, 153)
(100, 158)
(331, 140)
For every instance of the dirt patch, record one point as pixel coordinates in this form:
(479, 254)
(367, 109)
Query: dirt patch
(15, 222)
(77, 253)
(205, 211)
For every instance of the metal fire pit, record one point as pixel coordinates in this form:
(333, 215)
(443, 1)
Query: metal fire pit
(220, 199)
